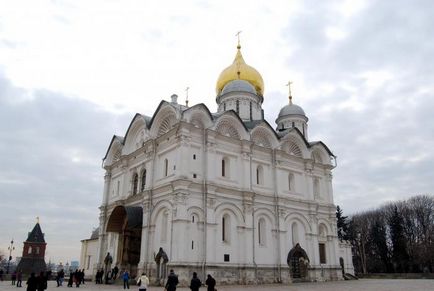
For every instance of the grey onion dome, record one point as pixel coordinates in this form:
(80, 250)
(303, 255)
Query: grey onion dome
(238, 86)
(291, 109)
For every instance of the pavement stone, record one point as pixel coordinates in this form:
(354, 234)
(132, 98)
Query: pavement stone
(359, 285)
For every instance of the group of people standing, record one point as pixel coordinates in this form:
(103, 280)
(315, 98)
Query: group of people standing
(195, 283)
(76, 277)
(37, 283)
(16, 278)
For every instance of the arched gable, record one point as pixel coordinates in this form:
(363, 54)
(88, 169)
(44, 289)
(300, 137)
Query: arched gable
(229, 124)
(160, 206)
(136, 134)
(164, 119)
(196, 210)
(263, 135)
(295, 216)
(221, 208)
(295, 145)
(199, 115)
(265, 212)
(326, 224)
(114, 151)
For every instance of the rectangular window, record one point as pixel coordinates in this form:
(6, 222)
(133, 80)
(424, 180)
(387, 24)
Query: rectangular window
(226, 257)
(322, 253)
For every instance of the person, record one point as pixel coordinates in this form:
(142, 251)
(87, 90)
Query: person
(14, 277)
(126, 278)
(82, 276)
(142, 282)
(210, 282)
(41, 282)
(32, 283)
(19, 278)
(1, 274)
(59, 277)
(172, 281)
(77, 278)
(115, 272)
(71, 279)
(195, 283)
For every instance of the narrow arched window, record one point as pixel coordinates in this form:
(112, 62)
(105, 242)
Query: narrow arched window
(316, 188)
(225, 228)
(294, 233)
(135, 183)
(166, 167)
(238, 106)
(164, 226)
(143, 180)
(223, 168)
(261, 232)
(259, 175)
(29, 250)
(291, 182)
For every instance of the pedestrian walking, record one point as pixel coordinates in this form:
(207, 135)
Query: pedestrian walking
(115, 272)
(143, 282)
(71, 279)
(195, 283)
(32, 283)
(19, 278)
(210, 282)
(14, 277)
(41, 282)
(126, 278)
(172, 281)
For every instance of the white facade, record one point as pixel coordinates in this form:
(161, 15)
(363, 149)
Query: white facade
(222, 194)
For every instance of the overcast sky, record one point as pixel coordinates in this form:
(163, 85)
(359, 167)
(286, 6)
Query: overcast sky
(73, 73)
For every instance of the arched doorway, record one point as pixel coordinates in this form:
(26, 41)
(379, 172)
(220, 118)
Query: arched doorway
(298, 262)
(127, 222)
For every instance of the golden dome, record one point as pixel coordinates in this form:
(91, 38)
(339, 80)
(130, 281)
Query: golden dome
(242, 71)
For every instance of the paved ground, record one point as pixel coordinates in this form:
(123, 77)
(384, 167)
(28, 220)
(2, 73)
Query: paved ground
(360, 285)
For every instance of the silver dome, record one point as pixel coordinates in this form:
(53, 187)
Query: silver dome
(238, 86)
(291, 109)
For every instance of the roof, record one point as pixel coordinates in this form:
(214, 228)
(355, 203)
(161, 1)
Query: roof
(36, 235)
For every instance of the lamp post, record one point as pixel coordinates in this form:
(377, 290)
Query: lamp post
(10, 248)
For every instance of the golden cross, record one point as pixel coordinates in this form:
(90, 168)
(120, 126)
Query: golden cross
(289, 91)
(238, 35)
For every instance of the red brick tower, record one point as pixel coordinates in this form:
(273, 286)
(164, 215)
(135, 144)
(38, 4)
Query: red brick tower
(33, 259)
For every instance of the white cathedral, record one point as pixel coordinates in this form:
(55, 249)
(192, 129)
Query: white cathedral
(220, 193)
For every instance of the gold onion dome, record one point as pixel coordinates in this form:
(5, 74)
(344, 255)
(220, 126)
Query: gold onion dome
(239, 70)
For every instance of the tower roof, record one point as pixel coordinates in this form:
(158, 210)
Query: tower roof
(239, 70)
(36, 235)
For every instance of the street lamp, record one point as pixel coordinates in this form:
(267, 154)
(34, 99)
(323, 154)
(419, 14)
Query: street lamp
(10, 248)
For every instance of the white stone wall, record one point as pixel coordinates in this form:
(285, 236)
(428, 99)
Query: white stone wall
(194, 187)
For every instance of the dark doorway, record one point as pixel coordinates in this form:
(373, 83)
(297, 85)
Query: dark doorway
(298, 263)
(127, 222)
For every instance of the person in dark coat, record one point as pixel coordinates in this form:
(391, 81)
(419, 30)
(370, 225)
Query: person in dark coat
(32, 283)
(195, 283)
(172, 281)
(41, 282)
(71, 279)
(210, 282)
(19, 278)
(14, 277)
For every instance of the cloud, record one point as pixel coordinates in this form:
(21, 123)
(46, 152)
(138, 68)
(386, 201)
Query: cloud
(50, 155)
(370, 99)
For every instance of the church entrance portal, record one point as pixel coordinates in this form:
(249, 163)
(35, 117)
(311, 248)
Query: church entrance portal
(298, 262)
(127, 222)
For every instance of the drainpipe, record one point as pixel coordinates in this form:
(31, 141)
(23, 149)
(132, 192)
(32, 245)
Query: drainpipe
(205, 197)
(253, 215)
(276, 210)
